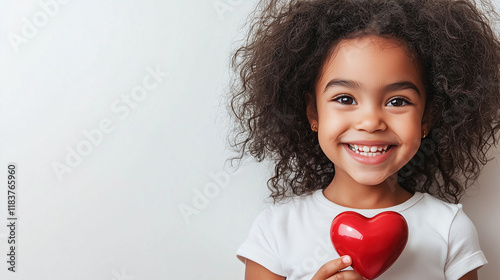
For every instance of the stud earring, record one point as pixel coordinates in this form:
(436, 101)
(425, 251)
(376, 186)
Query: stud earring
(314, 128)
(424, 133)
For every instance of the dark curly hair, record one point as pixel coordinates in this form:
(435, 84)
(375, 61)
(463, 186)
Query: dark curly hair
(287, 43)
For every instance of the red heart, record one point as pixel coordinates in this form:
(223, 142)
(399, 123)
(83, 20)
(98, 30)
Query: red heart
(374, 244)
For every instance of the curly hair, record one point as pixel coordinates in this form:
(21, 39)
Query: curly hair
(287, 43)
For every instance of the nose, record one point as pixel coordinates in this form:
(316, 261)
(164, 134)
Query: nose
(370, 120)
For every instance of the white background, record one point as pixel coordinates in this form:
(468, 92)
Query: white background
(66, 71)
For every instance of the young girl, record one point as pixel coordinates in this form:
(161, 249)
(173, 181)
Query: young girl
(367, 106)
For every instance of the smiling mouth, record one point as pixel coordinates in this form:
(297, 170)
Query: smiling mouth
(369, 151)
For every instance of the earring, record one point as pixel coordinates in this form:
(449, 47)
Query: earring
(314, 128)
(424, 133)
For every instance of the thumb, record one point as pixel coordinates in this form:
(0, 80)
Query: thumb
(332, 267)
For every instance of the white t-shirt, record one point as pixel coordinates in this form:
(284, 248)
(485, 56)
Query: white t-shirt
(293, 239)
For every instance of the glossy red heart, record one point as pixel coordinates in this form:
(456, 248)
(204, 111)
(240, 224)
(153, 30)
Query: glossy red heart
(374, 244)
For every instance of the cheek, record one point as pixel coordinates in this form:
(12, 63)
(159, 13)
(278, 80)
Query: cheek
(330, 129)
(331, 124)
(410, 133)
(327, 116)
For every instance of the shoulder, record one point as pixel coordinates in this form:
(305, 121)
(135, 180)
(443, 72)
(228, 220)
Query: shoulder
(444, 229)
(293, 204)
(431, 201)
(298, 215)
(276, 229)
(440, 210)
(290, 208)
(443, 217)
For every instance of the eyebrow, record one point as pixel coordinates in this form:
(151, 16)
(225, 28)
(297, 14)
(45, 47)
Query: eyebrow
(388, 88)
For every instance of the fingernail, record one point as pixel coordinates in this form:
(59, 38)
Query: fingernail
(346, 259)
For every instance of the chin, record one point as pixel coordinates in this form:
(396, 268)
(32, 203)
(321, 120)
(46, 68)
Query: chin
(370, 180)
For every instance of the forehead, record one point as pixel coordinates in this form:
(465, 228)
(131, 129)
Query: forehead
(371, 42)
(371, 59)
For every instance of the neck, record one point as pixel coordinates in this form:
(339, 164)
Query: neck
(349, 193)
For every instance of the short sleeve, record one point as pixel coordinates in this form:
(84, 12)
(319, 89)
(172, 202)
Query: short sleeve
(261, 244)
(464, 253)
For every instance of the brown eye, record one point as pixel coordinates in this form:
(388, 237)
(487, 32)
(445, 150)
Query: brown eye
(346, 100)
(398, 102)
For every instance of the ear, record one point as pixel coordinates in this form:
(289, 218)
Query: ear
(311, 110)
(426, 124)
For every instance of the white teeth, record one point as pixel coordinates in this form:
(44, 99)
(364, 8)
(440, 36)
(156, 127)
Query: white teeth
(370, 154)
(368, 151)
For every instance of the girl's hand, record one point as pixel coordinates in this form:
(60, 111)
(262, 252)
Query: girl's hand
(331, 270)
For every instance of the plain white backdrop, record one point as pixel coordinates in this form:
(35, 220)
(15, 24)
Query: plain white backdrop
(113, 112)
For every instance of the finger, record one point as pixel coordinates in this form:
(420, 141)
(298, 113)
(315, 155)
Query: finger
(346, 275)
(332, 267)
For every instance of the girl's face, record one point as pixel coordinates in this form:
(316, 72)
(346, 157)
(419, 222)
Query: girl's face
(370, 100)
